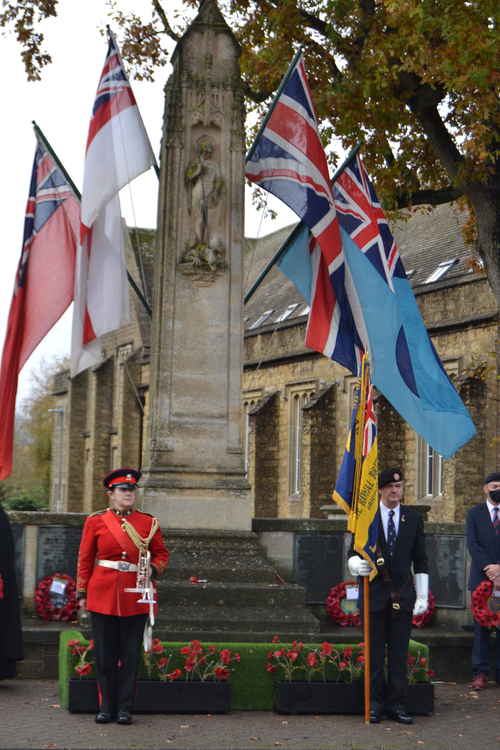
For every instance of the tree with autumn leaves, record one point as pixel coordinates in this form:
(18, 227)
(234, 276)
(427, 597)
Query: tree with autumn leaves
(416, 80)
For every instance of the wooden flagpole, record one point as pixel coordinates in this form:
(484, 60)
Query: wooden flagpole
(366, 639)
(366, 582)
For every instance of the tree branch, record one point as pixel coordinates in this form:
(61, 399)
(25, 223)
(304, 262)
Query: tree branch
(163, 18)
(428, 197)
(439, 137)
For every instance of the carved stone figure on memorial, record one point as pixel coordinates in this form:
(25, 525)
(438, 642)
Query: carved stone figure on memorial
(205, 185)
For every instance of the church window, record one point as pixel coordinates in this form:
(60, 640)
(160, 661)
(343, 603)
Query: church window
(430, 471)
(298, 396)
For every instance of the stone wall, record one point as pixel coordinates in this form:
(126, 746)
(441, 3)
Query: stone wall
(319, 451)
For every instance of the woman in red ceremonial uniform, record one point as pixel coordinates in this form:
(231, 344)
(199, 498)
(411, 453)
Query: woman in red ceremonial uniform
(115, 543)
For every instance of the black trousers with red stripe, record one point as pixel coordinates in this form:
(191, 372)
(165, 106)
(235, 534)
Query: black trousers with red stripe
(118, 651)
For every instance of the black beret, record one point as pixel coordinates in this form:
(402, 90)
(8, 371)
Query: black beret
(390, 475)
(493, 477)
(119, 477)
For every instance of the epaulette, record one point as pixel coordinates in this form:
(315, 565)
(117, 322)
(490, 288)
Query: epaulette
(97, 512)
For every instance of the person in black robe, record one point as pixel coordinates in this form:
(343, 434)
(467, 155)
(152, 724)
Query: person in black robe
(11, 640)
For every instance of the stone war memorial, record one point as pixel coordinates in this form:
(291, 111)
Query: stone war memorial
(238, 429)
(193, 464)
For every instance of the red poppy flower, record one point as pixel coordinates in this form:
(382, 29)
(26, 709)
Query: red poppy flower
(174, 675)
(83, 669)
(326, 649)
(312, 659)
(225, 656)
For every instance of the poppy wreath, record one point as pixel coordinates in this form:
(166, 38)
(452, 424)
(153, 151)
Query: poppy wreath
(480, 610)
(43, 604)
(334, 606)
(424, 619)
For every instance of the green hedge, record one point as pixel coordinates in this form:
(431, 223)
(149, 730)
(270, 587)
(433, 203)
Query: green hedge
(252, 686)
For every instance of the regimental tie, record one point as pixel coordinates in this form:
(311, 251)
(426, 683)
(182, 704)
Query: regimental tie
(496, 520)
(391, 533)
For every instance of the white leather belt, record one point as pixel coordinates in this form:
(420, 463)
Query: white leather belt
(122, 565)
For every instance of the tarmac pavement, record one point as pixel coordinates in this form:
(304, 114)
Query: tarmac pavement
(32, 719)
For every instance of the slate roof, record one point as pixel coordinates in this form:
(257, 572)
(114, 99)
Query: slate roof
(424, 240)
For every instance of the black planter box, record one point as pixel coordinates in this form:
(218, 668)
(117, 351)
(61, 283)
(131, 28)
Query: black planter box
(420, 699)
(318, 697)
(82, 696)
(153, 696)
(342, 698)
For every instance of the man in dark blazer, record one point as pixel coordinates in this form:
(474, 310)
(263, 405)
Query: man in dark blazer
(483, 542)
(396, 595)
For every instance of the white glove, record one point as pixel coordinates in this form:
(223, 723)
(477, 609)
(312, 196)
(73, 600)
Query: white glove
(422, 589)
(358, 567)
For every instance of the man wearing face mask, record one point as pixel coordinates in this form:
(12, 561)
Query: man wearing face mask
(483, 542)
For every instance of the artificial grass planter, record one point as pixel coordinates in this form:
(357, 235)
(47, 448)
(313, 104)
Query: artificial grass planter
(251, 685)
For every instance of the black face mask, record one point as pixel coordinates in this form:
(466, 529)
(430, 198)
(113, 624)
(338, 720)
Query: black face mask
(495, 496)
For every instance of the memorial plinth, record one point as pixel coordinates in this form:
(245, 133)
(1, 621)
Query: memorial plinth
(193, 468)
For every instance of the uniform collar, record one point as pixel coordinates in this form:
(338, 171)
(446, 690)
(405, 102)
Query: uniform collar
(122, 513)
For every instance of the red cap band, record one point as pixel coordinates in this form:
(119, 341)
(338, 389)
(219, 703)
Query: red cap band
(128, 479)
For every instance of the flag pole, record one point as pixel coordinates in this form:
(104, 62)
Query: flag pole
(262, 275)
(41, 137)
(366, 583)
(366, 640)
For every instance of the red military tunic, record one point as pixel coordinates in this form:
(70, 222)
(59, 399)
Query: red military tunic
(104, 539)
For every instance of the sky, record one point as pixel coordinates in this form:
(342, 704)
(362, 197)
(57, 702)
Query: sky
(61, 104)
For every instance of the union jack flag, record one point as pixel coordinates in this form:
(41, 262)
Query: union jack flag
(362, 217)
(288, 159)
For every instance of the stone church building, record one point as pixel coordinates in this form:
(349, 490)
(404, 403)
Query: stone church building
(296, 403)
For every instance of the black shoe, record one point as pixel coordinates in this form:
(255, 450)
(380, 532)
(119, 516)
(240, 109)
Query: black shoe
(399, 714)
(124, 717)
(375, 716)
(103, 717)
